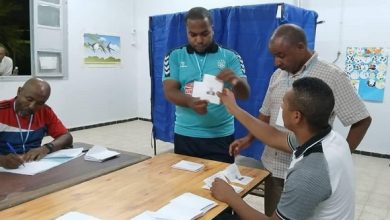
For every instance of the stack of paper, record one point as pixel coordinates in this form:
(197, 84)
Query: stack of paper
(99, 154)
(187, 206)
(188, 165)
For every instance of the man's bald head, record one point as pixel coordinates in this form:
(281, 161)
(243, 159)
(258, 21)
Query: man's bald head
(32, 96)
(39, 86)
(290, 33)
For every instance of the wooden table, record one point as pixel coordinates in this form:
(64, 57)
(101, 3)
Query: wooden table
(125, 193)
(16, 188)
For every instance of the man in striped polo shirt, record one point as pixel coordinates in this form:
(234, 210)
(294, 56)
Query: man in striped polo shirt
(24, 121)
(320, 179)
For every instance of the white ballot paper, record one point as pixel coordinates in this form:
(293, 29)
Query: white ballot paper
(209, 181)
(187, 206)
(99, 154)
(76, 216)
(72, 152)
(146, 215)
(208, 88)
(188, 165)
(233, 174)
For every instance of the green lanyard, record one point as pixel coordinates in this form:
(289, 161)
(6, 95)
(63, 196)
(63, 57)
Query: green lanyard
(200, 68)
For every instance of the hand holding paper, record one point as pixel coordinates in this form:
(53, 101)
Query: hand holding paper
(208, 88)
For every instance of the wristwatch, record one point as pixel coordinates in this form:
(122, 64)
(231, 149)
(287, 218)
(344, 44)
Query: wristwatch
(49, 146)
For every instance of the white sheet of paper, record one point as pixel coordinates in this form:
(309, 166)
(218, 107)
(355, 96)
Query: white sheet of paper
(209, 180)
(233, 174)
(146, 215)
(243, 181)
(236, 189)
(76, 216)
(208, 88)
(188, 165)
(279, 119)
(185, 207)
(99, 154)
(46, 163)
(73, 152)
(48, 63)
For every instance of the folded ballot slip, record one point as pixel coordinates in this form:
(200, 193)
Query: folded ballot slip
(188, 165)
(100, 154)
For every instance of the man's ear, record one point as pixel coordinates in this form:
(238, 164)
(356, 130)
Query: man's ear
(20, 89)
(298, 116)
(301, 46)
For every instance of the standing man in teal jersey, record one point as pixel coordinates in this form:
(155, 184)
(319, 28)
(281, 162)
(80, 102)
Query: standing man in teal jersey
(202, 129)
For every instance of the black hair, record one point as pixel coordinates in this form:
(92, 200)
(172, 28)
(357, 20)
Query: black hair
(198, 13)
(314, 99)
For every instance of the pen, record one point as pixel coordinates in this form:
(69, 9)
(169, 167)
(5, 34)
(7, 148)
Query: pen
(12, 149)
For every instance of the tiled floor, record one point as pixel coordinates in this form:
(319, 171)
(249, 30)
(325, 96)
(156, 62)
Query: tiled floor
(372, 174)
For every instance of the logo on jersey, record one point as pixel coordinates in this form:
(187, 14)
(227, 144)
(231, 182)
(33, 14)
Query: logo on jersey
(221, 64)
(183, 64)
(188, 88)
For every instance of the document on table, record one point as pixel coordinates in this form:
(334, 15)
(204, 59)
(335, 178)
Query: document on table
(76, 216)
(209, 182)
(188, 165)
(233, 174)
(185, 207)
(49, 161)
(208, 88)
(100, 154)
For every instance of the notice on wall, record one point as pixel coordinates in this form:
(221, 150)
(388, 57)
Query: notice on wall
(367, 67)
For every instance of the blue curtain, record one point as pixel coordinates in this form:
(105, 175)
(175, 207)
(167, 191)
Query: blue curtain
(247, 30)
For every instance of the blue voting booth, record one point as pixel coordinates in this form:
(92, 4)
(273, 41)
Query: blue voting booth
(245, 29)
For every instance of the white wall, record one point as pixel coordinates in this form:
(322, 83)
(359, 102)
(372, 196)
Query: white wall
(93, 95)
(356, 23)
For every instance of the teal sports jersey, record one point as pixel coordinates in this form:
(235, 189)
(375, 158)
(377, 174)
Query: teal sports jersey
(186, 66)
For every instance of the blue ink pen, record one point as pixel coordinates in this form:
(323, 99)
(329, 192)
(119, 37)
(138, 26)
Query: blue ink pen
(12, 149)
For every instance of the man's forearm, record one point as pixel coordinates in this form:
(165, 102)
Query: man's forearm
(262, 131)
(244, 211)
(240, 88)
(62, 141)
(357, 132)
(178, 98)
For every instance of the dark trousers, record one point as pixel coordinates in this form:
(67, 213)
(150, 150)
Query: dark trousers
(207, 148)
(273, 188)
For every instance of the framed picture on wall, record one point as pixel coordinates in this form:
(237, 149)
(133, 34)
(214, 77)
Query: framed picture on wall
(102, 49)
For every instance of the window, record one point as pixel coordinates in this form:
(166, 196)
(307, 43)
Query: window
(39, 40)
